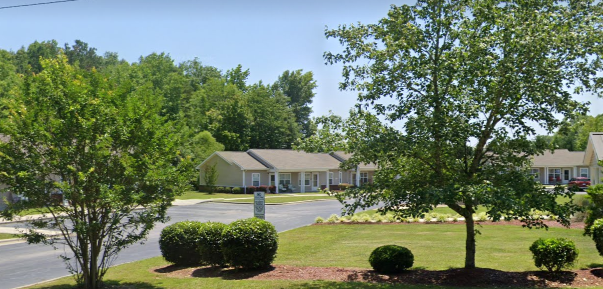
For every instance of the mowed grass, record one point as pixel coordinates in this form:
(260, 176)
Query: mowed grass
(435, 246)
(4, 236)
(248, 198)
(140, 275)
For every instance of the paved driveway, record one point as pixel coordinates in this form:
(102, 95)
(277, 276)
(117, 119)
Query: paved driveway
(22, 264)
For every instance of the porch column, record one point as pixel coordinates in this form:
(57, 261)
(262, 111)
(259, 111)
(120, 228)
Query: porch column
(546, 175)
(302, 187)
(276, 184)
(327, 186)
(575, 172)
(244, 186)
(357, 176)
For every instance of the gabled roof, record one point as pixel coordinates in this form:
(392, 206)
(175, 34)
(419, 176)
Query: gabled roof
(240, 159)
(559, 158)
(283, 159)
(594, 147)
(343, 156)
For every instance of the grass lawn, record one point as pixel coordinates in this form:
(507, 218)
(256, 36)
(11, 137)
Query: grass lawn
(248, 198)
(435, 247)
(4, 236)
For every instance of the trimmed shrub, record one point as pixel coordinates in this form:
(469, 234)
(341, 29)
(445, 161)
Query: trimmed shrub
(272, 189)
(251, 189)
(237, 190)
(249, 243)
(263, 188)
(344, 186)
(178, 243)
(596, 232)
(210, 243)
(319, 220)
(554, 254)
(391, 259)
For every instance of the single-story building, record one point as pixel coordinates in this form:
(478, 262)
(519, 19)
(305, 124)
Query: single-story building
(287, 170)
(560, 165)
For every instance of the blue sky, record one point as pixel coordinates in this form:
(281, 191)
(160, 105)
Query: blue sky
(265, 36)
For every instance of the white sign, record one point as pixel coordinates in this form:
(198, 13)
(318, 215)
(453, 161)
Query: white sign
(259, 205)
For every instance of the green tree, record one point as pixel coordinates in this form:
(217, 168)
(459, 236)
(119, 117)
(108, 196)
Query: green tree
(79, 54)
(299, 88)
(463, 80)
(198, 146)
(105, 149)
(28, 60)
(273, 123)
(210, 177)
(238, 77)
(574, 132)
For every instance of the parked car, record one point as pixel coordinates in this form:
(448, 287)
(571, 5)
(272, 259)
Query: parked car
(580, 182)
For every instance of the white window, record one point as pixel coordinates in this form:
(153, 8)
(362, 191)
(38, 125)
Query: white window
(284, 179)
(535, 173)
(340, 178)
(363, 178)
(584, 172)
(307, 178)
(255, 179)
(272, 180)
(554, 175)
(330, 178)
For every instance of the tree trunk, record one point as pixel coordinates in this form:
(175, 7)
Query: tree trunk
(470, 242)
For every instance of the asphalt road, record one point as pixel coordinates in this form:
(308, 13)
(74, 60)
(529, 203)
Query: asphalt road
(22, 264)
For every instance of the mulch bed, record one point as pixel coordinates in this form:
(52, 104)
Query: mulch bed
(453, 277)
(479, 277)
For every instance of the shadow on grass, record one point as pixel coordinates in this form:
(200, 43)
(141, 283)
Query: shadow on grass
(228, 273)
(111, 284)
(360, 278)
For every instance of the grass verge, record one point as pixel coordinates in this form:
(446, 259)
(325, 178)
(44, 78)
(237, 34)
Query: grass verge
(4, 236)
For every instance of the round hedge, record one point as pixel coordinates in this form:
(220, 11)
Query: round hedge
(554, 254)
(249, 243)
(596, 231)
(210, 242)
(391, 259)
(178, 243)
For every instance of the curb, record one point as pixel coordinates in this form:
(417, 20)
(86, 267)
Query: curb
(274, 204)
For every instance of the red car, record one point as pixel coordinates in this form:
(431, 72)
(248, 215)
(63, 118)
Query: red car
(580, 182)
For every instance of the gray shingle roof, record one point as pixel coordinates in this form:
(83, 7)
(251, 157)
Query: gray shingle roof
(558, 158)
(242, 159)
(294, 160)
(343, 156)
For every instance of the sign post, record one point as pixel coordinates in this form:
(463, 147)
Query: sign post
(259, 205)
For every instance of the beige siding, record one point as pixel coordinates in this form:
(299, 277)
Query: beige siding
(248, 178)
(228, 175)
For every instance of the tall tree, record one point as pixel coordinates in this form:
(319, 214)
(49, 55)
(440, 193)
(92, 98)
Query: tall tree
(107, 150)
(299, 87)
(28, 60)
(272, 121)
(81, 55)
(465, 79)
(573, 132)
(238, 77)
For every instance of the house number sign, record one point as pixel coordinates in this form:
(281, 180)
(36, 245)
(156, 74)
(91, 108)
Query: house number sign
(259, 205)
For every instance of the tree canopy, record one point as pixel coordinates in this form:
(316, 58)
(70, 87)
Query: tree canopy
(106, 151)
(447, 92)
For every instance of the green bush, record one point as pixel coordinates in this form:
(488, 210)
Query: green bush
(249, 243)
(210, 242)
(237, 190)
(178, 243)
(391, 259)
(596, 232)
(554, 254)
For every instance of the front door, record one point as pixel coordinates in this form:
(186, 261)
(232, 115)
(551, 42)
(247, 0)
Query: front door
(314, 181)
(272, 180)
(566, 176)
